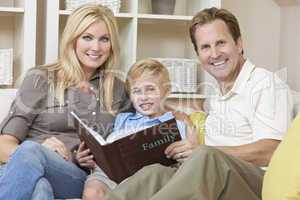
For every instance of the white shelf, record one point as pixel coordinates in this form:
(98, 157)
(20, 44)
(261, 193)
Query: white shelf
(18, 31)
(187, 96)
(124, 15)
(165, 17)
(11, 10)
(65, 12)
(118, 15)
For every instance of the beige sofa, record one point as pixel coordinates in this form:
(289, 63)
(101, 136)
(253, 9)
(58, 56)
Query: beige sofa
(8, 95)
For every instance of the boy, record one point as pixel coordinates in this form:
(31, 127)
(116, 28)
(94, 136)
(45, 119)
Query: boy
(148, 84)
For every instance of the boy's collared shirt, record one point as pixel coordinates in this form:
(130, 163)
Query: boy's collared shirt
(131, 121)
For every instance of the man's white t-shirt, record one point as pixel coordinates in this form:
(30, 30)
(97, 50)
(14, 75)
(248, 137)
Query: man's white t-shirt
(259, 106)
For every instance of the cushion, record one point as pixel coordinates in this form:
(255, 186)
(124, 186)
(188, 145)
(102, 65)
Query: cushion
(198, 120)
(282, 180)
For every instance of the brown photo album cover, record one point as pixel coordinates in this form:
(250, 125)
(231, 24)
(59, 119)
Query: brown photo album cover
(121, 155)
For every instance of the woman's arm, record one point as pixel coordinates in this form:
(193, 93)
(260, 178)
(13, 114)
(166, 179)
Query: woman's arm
(8, 146)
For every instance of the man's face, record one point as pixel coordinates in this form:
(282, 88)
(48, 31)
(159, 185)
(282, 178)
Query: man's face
(219, 54)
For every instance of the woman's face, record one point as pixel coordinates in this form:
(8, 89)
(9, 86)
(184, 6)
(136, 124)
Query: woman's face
(93, 47)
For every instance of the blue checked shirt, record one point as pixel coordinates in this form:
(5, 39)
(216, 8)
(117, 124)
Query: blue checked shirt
(132, 121)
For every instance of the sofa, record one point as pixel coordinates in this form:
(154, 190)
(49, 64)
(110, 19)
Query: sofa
(8, 95)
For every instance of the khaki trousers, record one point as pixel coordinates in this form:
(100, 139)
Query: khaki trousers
(208, 175)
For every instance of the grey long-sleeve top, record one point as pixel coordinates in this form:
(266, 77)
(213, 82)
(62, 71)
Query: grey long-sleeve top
(35, 114)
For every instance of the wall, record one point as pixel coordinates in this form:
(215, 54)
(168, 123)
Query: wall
(290, 44)
(270, 30)
(260, 26)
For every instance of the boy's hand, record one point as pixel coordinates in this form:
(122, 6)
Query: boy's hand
(84, 158)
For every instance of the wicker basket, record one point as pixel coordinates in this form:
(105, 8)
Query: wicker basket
(6, 66)
(183, 74)
(114, 5)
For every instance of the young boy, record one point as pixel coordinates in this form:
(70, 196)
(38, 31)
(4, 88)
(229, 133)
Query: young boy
(148, 85)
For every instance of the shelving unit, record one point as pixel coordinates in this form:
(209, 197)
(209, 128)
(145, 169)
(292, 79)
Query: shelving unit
(142, 33)
(187, 96)
(18, 31)
(11, 10)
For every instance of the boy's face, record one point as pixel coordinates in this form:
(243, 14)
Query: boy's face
(147, 94)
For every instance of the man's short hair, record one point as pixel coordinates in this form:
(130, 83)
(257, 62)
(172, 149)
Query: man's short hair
(211, 14)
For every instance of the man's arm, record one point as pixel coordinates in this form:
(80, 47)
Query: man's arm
(8, 146)
(258, 153)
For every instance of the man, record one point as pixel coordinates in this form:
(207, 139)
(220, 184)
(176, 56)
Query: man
(246, 121)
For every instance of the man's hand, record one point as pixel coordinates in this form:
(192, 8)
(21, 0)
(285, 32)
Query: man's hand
(84, 158)
(179, 150)
(57, 146)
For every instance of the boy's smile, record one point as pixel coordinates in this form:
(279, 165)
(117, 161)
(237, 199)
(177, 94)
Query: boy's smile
(147, 94)
(146, 106)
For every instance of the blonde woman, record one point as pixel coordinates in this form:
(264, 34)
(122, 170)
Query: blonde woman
(38, 139)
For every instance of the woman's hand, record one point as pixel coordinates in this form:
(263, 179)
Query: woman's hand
(84, 158)
(57, 146)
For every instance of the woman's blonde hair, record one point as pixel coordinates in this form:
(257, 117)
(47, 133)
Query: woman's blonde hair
(68, 69)
(148, 67)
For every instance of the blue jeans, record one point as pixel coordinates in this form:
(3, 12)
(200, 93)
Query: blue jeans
(36, 172)
(43, 189)
(1, 169)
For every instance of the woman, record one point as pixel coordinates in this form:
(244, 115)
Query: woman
(44, 168)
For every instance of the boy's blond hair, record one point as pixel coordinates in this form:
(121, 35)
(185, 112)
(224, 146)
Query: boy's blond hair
(148, 67)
